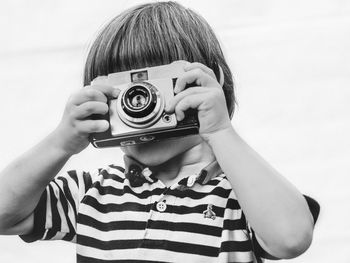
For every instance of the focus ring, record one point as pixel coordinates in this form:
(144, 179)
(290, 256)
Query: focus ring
(139, 93)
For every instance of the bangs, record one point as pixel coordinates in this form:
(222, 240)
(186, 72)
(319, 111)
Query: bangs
(147, 36)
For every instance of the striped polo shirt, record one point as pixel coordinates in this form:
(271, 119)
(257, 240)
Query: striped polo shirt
(128, 215)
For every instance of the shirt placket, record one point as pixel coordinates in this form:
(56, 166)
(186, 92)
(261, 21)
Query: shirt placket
(154, 201)
(161, 203)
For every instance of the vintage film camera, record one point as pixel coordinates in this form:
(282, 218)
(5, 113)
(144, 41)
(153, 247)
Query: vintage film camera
(137, 115)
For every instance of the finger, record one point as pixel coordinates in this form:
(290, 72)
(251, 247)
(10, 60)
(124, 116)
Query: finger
(91, 126)
(100, 80)
(189, 102)
(203, 67)
(109, 91)
(197, 76)
(88, 108)
(178, 97)
(87, 94)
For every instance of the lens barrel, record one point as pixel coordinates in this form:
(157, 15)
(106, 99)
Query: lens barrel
(139, 101)
(140, 105)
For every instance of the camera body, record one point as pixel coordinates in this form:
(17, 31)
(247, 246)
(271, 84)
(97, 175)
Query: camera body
(138, 115)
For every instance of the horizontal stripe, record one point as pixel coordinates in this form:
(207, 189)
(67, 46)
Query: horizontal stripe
(115, 225)
(127, 197)
(154, 234)
(182, 210)
(149, 244)
(118, 189)
(110, 190)
(236, 257)
(118, 234)
(111, 207)
(192, 228)
(107, 198)
(133, 206)
(237, 235)
(117, 176)
(217, 191)
(112, 216)
(234, 224)
(233, 204)
(140, 254)
(228, 246)
(116, 168)
(185, 227)
(215, 181)
(144, 216)
(83, 259)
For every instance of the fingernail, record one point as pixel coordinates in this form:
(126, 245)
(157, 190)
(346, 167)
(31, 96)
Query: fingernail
(188, 64)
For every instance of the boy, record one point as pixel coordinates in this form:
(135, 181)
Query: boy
(187, 199)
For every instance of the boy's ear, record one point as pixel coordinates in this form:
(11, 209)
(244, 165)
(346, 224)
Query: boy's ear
(219, 73)
(221, 78)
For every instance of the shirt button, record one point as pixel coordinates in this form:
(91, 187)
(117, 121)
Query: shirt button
(161, 206)
(191, 180)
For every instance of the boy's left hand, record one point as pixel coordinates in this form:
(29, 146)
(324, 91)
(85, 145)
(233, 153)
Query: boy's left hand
(208, 98)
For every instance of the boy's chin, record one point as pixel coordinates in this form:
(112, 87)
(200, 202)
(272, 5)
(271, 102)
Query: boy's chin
(157, 153)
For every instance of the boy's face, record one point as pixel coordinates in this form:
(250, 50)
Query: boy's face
(156, 153)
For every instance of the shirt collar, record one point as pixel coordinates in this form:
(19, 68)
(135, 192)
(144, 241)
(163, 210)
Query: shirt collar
(138, 174)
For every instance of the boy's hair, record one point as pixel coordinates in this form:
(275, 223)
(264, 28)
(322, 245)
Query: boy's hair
(154, 34)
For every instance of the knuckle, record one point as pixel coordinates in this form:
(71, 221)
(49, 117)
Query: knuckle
(93, 127)
(72, 98)
(100, 95)
(76, 128)
(183, 104)
(198, 71)
(90, 93)
(72, 114)
(89, 109)
(104, 89)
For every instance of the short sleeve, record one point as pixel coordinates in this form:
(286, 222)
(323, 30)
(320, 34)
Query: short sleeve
(56, 213)
(260, 252)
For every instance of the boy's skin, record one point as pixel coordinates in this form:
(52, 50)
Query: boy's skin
(274, 208)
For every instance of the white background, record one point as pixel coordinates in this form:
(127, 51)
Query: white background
(291, 62)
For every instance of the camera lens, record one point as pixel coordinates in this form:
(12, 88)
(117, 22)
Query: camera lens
(139, 101)
(140, 105)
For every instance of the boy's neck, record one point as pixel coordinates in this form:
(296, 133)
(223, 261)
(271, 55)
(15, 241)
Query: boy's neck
(190, 162)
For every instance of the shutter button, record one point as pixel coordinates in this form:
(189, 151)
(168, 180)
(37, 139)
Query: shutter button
(161, 206)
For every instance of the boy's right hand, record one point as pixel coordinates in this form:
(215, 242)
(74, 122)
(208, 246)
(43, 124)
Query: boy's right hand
(72, 134)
